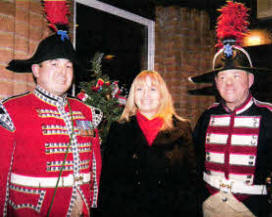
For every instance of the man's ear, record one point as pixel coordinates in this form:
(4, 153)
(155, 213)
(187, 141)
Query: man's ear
(250, 79)
(35, 70)
(215, 80)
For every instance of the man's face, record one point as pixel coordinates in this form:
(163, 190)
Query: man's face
(233, 86)
(54, 75)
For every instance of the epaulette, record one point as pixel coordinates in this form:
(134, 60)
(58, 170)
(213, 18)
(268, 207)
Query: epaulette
(13, 97)
(263, 104)
(5, 120)
(97, 116)
(213, 105)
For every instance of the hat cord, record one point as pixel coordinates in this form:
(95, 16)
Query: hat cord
(236, 47)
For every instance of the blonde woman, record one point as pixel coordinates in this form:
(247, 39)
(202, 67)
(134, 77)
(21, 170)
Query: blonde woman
(149, 160)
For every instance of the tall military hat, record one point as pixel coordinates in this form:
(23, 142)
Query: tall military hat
(56, 45)
(231, 57)
(232, 26)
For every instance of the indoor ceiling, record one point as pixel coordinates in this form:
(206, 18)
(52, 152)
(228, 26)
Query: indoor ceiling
(146, 7)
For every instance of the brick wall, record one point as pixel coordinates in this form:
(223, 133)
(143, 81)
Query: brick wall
(22, 26)
(184, 46)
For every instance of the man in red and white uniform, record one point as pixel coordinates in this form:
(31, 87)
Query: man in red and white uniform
(49, 142)
(233, 141)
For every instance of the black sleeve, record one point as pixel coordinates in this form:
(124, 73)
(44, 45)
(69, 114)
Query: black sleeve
(106, 171)
(191, 155)
(199, 134)
(110, 173)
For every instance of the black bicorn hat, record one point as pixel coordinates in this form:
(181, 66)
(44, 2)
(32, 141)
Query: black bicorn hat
(227, 58)
(55, 46)
(231, 57)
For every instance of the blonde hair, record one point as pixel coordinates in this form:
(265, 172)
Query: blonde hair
(166, 109)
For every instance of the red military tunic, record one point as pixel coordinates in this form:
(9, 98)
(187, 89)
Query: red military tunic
(35, 132)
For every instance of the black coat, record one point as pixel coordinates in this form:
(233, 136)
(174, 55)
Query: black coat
(257, 204)
(144, 181)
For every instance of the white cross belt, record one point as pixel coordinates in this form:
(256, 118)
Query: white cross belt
(49, 182)
(233, 186)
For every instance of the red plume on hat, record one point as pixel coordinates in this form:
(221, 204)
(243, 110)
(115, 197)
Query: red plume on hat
(232, 26)
(56, 13)
(54, 46)
(232, 23)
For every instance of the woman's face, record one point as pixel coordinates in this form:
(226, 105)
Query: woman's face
(147, 98)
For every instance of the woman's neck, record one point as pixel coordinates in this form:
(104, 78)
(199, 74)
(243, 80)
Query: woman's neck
(148, 115)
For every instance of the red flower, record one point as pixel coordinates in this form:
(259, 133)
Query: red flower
(82, 96)
(99, 84)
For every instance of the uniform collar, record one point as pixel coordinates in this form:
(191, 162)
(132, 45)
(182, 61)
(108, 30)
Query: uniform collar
(243, 107)
(44, 95)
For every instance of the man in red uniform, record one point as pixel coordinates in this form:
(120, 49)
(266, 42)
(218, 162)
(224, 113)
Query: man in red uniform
(50, 155)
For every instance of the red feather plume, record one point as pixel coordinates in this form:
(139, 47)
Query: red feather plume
(56, 13)
(232, 23)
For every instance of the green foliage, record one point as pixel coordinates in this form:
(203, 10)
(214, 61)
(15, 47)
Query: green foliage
(100, 94)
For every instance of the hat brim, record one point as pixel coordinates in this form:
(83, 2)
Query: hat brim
(24, 66)
(208, 77)
(52, 47)
(20, 66)
(204, 91)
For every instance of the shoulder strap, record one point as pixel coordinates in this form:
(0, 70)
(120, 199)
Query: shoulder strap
(5, 120)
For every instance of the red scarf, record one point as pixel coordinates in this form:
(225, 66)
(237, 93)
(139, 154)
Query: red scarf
(150, 128)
